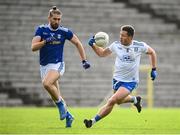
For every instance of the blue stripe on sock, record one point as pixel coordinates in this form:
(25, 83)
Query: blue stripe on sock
(97, 118)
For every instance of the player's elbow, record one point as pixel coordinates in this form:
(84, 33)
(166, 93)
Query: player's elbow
(33, 49)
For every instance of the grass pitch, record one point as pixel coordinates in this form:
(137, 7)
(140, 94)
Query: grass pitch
(30, 120)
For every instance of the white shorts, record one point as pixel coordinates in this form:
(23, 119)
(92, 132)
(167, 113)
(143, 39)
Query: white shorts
(60, 67)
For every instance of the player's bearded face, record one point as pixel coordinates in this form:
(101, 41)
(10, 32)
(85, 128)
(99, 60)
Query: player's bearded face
(55, 21)
(124, 38)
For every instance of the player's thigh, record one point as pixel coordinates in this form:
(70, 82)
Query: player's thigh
(51, 77)
(120, 94)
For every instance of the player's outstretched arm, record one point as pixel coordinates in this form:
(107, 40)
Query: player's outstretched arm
(101, 52)
(75, 40)
(153, 58)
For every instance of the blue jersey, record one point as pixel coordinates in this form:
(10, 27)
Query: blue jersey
(52, 52)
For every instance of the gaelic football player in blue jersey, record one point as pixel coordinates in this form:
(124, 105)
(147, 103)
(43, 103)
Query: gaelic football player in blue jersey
(49, 39)
(126, 72)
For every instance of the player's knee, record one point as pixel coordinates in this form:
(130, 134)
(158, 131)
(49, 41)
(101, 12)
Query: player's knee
(119, 102)
(46, 84)
(111, 101)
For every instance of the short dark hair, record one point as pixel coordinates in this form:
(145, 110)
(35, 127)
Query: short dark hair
(130, 30)
(54, 10)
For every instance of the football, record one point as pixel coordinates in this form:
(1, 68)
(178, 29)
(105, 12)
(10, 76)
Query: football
(101, 39)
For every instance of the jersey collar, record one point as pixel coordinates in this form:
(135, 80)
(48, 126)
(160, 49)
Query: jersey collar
(128, 45)
(49, 26)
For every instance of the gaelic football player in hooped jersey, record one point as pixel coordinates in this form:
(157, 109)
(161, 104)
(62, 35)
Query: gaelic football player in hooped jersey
(126, 73)
(49, 39)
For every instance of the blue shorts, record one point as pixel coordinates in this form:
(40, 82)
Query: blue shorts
(128, 85)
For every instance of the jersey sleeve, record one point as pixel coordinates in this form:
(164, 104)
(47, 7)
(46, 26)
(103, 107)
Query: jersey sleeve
(38, 32)
(144, 48)
(112, 47)
(66, 32)
(69, 34)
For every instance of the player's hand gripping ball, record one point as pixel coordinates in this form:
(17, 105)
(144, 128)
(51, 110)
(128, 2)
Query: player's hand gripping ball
(101, 39)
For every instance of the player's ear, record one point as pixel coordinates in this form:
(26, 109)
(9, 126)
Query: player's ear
(130, 38)
(49, 18)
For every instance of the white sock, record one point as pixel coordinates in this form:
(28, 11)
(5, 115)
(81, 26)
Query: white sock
(59, 100)
(93, 121)
(134, 99)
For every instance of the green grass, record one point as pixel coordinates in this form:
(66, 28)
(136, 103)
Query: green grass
(120, 121)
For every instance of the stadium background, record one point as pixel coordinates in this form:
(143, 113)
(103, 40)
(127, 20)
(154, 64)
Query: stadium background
(156, 22)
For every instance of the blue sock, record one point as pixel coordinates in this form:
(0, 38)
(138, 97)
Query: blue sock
(62, 109)
(97, 118)
(60, 103)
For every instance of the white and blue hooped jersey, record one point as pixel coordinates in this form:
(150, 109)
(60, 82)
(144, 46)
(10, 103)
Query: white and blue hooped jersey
(52, 52)
(128, 60)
